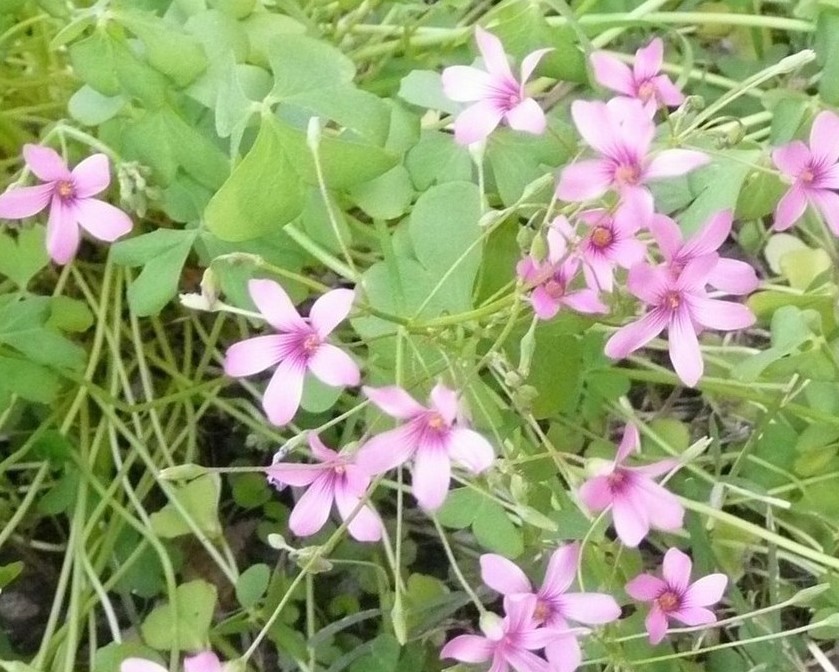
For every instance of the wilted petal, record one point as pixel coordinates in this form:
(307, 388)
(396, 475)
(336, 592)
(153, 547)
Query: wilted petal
(444, 401)
(636, 334)
(590, 608)
(470, 449)
(733, 276)
(476, 122)
(92, 176)
(23, 202)
(330, 309)
(706, 591)
(596, 494)
(648, 60)
(564, 653)
(503, 575)
(312, 509)
(284, 391)
(102, 220)
(824, 137)
(62, 232)
(253, 355)
(722, 315)
(645, 587)
(140, 665)
(45, 163)
(790, 208)
(463, 83)
(333, 366)
(584, 180)
(493, 54)
(676, 569)
(203, 662)
(792, 158)
(684, 348)
(527, 116)
(612, 73)
(394, 401)
(387, 450)
(365, 525)
(432, 476)
(827, 203)
(656, 624)
(275, 305)
(468, 649)
(675, 162)
(630, 520)
(694, 616)
(544, 305)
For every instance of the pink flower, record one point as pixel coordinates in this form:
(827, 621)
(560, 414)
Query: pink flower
(675, 597)
(432, 437)
(643, 81)
(336, 478)
(299, 347)
(610, 240)
(728, 275)
(507, 644)
(621, 131)
(206, 661)
(681, 305)
(814, 173)
(638, 502)
(551, 278)
(496, 93)
(69, 198)
(554, 606)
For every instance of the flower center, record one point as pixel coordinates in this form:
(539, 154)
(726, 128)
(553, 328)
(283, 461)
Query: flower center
(311, 343)
(672, 300)
(646, 91)
(65, 189)
(555, 288)
(602, 236)
(616, 479)
(807, 176)
(668, 601)
(542, 611)
(435, 421)
(339, 469)
(627, 174)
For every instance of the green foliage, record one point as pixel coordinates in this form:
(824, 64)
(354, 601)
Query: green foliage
(197, 503)
(186, 624)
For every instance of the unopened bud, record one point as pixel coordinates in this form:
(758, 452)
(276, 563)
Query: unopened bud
(524, 238)
(492, 625)
(313, 133)
(400, 627)
(807, 595)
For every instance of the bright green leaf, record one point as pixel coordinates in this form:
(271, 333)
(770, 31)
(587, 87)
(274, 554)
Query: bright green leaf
(200, 499)
(252, 584)
(195, 603)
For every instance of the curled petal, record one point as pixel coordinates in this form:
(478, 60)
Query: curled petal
(530, 62)
(733, 276)
(284, 391)
(470, 449)
(676, 570)
(45, 163)
(275, 305)
(319, 449)
(503, 576)
(102, 220)
(562, 568)
(663, 509)
(92, 176)
(432, 476)
(312, 509)
(333, 366)
(645, 587)
(706, 591)
(330, 309)
(468, 649)
(394, 401)
(62, 233)
(296, 474)
(23, 202)
(667, 92)
(630, 443)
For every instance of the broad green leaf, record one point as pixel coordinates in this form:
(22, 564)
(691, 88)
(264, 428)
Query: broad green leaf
(460, 508)
(364, 114)
(92, 60)
(238, 9)
(301, 63)
(9, 573)
(387, 196)
(759, 196)
(802, 267)
(249, 204)
(200, 499)
(67, 314)
(496, 532)
(27, 379)
(221, 35)
(264, 29)
(195, 603)
(109, 657)
(252, 584)
(21, 259)
(91, 108)
(718, 185)
(827, 50)
(380, 655)
(424, 88)
(23, 327)
(137, 78)
(437, 158)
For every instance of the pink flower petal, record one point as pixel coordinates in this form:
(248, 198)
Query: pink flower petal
(503, 576)
(564, 654)
(590, 608)
(584, 180)
(684, 348)
(333, 366)
(493, 54)
(630, 443)
(706, 591)
(92, 176)
(394, 401)
(470, 450)
(330, 309)
(530, 63)
(102, 220)
(645, 587)
(662, 507)
(275, 306)
(62, 233)
(544, 305)
(598, 271)
(594, 123)
(464, 84)
(45, 163)
(648, 60)
(432, 476)
(824, 138)
(635, 128)
(527, 116)
(312, 509)
(630, 519)
(694, 616)
(733, 276)
(711, 236)
(319, 449)
(476, 122)
(294, 473)
(519, 612)
(23, 202)
(667, 234)
(253, 355)
(444, 401)
(562, 568)
(656, 624)
(526, 661)
(667, 92)
(655, 469)
(596, 494)
(140, 665)
(636, 334)
(365, 526)
(468, 649)
(612, 73)
(203, 662)
(284, 391)
(648, 283)
(694, 275)
(628, 252)
(676, 570)
(675, 162)
(722, 315)
(387, 450)
(527, 269)
(827, 203)
(792, 159)
(585, 301)
(633, 214)
(790, 208)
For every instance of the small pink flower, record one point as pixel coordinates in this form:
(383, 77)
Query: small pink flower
(206, 661)
(508, 644)
(681, 305)
(496, 93)
(621, 131)
(675, 596)
(610, 239)
(554, 606)
(638, 502)
(731, 276)
(433, 437)
(814, 173)
(69, 196)
(299, 347)
(335, 478)
(551, 279)
(643, 82)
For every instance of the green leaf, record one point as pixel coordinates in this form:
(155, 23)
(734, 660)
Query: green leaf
(27, 379)
(264, 29)
(195, 603)
(802, 267)
(460, 508)
(247, 206)
(761, 192)
(21, 259)
(92, 60)
(137, 78)
(23, 327)
(496, 532)
(200, 499)
(109, 658)
(719, 185)
(302, 63)
(436, 158)
(387, 196)
(68, 314)
(9, 573)
(424, 88)
(827, 50)
(252, 584)
(91, 108)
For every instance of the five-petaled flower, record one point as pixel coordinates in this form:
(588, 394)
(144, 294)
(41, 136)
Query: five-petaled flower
(681, 305)
(335, 478)
(637, 502)
(675, 596)
(554, 606)
(69, 196)
(621, 131)
(433, 437)
(814, 173)
(206, 661)
(496, 94)
(299, 347)
(643, 81)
